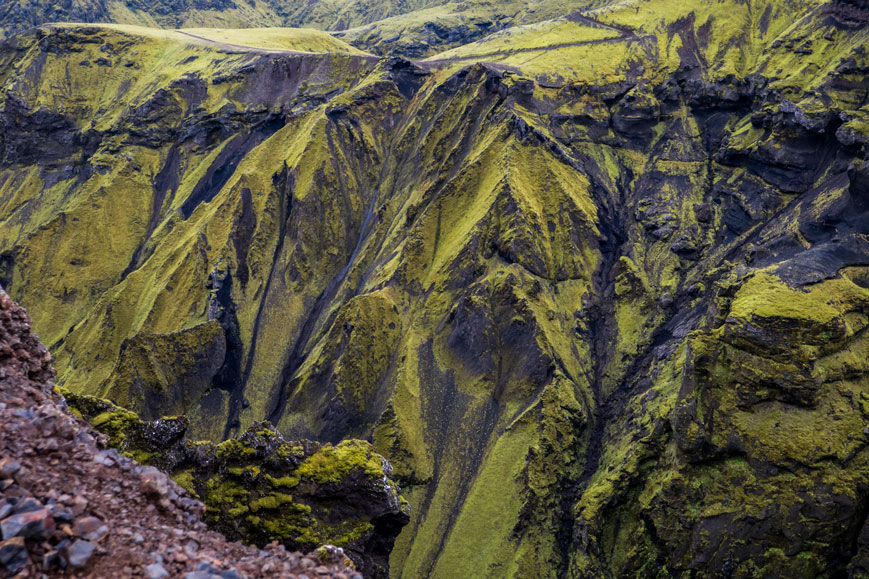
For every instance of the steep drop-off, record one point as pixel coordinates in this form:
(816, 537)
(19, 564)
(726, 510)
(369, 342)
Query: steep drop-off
(71, 507)
(597, 287)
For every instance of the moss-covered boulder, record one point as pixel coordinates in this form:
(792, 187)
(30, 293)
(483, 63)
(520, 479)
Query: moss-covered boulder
(260, 488)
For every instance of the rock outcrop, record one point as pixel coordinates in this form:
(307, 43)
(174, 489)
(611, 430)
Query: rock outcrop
(259, 488)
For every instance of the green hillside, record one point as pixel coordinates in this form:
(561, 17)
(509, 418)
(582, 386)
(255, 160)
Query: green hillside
(596, 285)
(411, 28)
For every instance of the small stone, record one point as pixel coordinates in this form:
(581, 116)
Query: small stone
(206, 567)
(154, 482)
(9, 467)
(79, 504)
(13, 555)
(61, 515)
(230, 574)
(322, 570)
(307, 563)
(198, 575)
(138, 539)
(79, 553)
(84, 438)
(27, 505)
(48, 446)
(156, 571)
(103, 459)
(90, 528)
(35, 524)
(191, 548)
(51, 558)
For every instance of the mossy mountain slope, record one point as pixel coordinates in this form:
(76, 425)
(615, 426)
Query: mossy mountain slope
(601, 298)
(410, 28)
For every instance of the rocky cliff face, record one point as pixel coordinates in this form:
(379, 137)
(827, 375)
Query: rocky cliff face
(596, 287)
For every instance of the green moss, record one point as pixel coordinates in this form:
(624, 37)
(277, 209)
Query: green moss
(239, 511)
(332, 463)
(289, 450)
(270, 502)
(239, 471)
(766, 296)
(187, 480)
(283, 482)
(115, 423)
(225, 498)
(353, 533)
(234, 450)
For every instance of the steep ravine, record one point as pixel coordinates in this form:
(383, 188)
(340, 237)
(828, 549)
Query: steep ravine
(602, 307)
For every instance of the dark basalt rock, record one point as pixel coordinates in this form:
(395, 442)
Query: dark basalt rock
(13, 555)
(858, 185)
(849, 14)
(49, 138)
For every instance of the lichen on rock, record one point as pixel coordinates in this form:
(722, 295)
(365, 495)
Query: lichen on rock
(260, 488)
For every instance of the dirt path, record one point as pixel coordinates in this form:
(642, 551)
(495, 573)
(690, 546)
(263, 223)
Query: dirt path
(243, 47)
(580, 17)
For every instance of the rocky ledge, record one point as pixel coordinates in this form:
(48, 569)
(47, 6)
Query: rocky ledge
(259, 487)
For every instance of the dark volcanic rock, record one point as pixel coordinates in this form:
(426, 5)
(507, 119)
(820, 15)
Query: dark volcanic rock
(37, 524)
(13, 555)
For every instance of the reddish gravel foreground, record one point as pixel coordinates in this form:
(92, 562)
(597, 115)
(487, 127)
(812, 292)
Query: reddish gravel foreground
(70, 508)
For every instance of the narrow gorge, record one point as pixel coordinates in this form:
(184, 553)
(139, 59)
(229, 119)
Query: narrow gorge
(595, 283)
